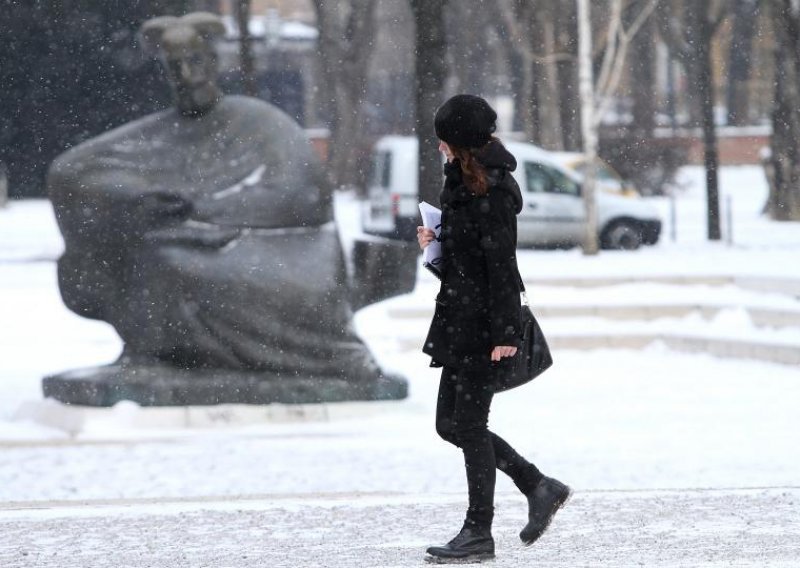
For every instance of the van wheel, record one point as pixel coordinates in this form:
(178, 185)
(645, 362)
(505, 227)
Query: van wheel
(622, 235)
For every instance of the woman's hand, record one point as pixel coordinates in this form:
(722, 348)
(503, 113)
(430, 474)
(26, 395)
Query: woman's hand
(503, 351)
(425, 236)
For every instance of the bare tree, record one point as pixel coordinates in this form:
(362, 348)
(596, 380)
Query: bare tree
(745, 17)
(591, 244)
(516, 18)
(542, 35)
(569, 101)
(531, 30)
(246, 61)
(467, 47)
(347, 30)
(617, 43)
(783, 166)
(596, 97)
(629, 146)
(689, 27)
(642, 77)
(431, 71)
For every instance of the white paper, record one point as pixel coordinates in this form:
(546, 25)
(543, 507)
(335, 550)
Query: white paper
(432, 219)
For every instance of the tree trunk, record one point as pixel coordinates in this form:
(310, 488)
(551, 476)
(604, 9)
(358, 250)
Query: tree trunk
(740, 51)
(466, 44)
(569, 93)
(531, 101)
(783, 203)
(515, 20)
(246, 61)
(344, 140)
(430, 77)
(643, 80)
(550, 111)
(705, 90)
(692, 43)
(344, 51)
(328, 50)
(591, 244)
(703, 79)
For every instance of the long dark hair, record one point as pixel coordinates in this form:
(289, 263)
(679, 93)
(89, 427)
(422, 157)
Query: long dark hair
(473, 171)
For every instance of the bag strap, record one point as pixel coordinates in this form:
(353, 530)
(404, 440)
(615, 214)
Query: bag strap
(523, 294)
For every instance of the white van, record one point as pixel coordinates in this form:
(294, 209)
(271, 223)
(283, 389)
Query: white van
(553, 212)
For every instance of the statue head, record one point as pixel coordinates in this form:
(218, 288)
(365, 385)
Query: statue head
(186, 48)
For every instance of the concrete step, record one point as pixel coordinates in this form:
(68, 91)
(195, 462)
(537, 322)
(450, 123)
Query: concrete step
(782, 353)
(74, 419)
(783, 315)
(606, 281)
(786, 286)
(777, 285)
(761, 316)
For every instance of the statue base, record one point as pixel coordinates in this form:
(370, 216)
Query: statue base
(157, 385)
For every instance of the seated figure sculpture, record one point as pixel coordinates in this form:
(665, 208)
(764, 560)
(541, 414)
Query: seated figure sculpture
(204, 234)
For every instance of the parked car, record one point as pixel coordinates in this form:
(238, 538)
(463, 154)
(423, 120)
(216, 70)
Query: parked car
(553, 212)
(607, 177)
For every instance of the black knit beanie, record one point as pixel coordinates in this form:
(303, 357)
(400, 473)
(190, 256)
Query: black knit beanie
(465, 121)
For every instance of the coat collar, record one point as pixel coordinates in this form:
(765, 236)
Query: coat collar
(455, 190)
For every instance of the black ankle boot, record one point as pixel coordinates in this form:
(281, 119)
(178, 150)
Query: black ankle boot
(473, 544)
(547, 497)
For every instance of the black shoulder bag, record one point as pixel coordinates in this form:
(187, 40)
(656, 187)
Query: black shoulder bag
(532, 358)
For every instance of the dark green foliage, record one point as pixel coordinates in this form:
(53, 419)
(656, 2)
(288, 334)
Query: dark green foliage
(70, 70)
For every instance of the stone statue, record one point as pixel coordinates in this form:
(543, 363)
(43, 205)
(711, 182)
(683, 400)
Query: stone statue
(204, 234)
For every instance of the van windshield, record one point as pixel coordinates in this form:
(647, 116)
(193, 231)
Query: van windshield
(544, 179)
(604, 173)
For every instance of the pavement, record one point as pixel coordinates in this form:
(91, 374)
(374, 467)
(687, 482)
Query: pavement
(653, 528)
(677, 459)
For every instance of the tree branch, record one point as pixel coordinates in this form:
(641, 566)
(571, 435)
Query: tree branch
(640, 20)
(612, 45)
(604, 91)
(672, 33)
(717, 14)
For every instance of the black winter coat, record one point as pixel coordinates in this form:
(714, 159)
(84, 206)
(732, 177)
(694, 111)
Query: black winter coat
(478, 305)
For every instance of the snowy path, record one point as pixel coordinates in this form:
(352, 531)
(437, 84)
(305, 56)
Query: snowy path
(635, 432)
(708, 528)
(651, 419)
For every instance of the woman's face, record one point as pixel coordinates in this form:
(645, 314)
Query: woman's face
(445, 149)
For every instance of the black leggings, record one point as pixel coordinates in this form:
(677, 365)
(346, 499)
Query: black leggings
(462, 416)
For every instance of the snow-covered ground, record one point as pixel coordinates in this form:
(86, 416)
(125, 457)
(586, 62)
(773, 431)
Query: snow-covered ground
(624, 427)
(656, 529)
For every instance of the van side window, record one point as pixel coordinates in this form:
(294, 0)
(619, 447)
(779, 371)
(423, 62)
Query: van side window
(564, 185)
(381, 169)
(386, 170)
(544, 179)
(538, 181)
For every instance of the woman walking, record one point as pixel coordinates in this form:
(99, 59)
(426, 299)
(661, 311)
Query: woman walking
(476, 329)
